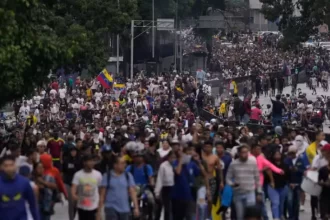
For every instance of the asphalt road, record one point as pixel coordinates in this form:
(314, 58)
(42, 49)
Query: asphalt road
(61, 212)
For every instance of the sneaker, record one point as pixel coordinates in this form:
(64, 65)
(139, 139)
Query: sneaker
(302, 208)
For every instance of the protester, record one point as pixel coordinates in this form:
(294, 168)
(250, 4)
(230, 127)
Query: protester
(15, 191)
(244, 172)
(117, 188)
(162, 139)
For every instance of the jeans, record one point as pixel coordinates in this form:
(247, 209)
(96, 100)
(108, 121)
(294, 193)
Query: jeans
(111, 214)
(202, 211)
(263, 207)
(293, 202)
(277, 121)
(246, 118)
(277, 197)
(243, 200)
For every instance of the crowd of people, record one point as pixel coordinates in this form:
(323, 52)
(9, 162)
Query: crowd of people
(145, 149)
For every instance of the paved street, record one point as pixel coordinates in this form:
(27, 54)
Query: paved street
(61, 212)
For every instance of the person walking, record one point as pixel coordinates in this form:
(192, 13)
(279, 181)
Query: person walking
(296, 171)
(164, 185)
(15, 191)
(243, 176)
(116, 190)
(278, 189)
(84, 189)
(71, 165)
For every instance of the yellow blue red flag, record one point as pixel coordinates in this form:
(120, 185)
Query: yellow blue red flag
(105, 79)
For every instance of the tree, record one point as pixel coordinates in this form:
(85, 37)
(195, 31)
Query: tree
(296, 28)
(86, 25)
(40, 35)
(29, 48)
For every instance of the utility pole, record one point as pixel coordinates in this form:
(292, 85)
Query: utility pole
(153, 28)
(132, 48)
(118, 45)
(175, 35)
(180, 45)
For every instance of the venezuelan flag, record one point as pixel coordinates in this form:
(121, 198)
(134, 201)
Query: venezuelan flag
(119, 86)
(105, 79)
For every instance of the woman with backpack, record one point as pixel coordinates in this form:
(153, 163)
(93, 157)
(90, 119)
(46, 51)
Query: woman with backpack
(116, 191)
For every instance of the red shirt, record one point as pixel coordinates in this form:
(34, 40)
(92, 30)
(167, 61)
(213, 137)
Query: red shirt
(255, 114)
(55, 147)
(55, 86)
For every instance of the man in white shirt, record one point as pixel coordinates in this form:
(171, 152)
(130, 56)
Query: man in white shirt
(98, 95)
(24, 110)
(53, 92)
(62, 92)
(36, 99)
(80, 100)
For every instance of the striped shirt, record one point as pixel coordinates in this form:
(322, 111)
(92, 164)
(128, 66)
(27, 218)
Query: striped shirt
(245, 174)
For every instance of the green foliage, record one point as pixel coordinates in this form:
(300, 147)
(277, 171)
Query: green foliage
(85, 26)
(28, 47)
(296, 29)
(40, 35)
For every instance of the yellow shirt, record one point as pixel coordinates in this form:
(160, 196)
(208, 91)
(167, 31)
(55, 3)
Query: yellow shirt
(127, 158)
(311, 152)
(121, 101)
(89, 93)
(32, 121)
(235, 87)
(222, 108)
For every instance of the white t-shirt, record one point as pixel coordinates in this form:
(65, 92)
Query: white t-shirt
(54, 109)
(187, 138)
(37, 114)
(98, 96)
(80, 100)
(87, 189)
(62, 93)
(37, 99)
(75, 106)
(29, 102)
(43, 93)
(95, 84)
(24, 111)
(53, 92)
(319, 162)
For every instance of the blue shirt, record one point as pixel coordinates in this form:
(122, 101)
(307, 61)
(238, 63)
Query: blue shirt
(183, 182)
(117, 196)
(13, 195)
(295, 176)
(139, 174)
(226, 158)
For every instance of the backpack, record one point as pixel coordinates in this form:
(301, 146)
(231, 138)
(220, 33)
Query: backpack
(145, 171)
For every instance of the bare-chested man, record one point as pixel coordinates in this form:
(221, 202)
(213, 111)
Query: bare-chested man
(213, 170)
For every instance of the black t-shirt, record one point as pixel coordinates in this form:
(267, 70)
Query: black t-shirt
(324, 175)
(280, 181)
(278, 108)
